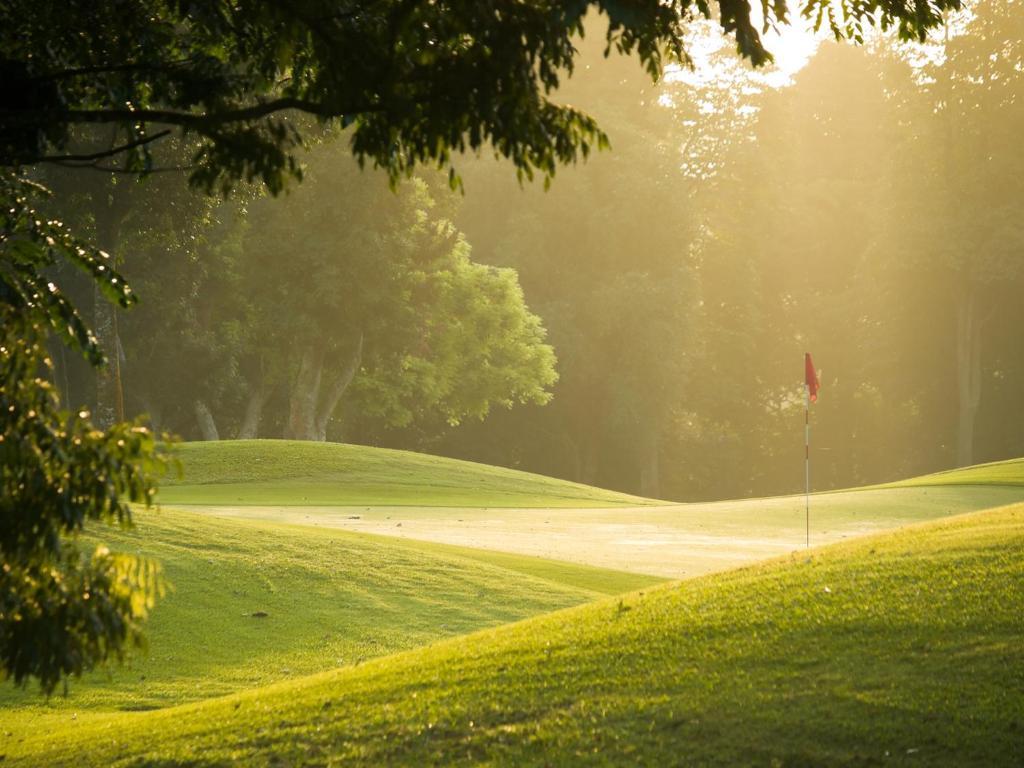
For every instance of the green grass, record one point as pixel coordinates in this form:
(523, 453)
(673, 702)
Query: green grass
(268, 472)
(674, 541)
(902, 648)
(336, 600)
(1010, 472)
(332, 598)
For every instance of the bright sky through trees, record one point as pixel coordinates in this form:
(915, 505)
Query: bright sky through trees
(711, 52)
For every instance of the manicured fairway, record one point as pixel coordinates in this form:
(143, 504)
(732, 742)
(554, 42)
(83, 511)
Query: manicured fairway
(675, 541)
(240, 472)
(332, 599)
(897, 649)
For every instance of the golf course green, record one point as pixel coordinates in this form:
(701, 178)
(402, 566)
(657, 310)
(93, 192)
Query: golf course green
(472, 505)
(254, 603)
(285, 640)
(298, 473)
(923, 665)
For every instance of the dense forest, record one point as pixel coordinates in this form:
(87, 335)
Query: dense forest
(640, 324)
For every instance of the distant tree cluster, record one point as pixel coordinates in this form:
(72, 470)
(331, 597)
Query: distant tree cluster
(271, 317)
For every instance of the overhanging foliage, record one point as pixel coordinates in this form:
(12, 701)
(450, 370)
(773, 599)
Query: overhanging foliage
(416, 81)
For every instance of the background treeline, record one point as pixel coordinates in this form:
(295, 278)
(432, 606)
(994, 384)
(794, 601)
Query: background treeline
(870, 212)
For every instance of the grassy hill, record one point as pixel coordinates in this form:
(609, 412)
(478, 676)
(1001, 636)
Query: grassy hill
(1010, 472)
(331, 599)
(268, 472)
(296, 473)
(900, 648)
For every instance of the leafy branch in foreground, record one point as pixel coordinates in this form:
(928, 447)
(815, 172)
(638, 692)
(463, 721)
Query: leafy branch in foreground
(62, 610)
(416, 82)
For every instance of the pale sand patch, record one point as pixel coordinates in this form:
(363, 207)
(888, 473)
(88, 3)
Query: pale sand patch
(650, 549)
(672, 541)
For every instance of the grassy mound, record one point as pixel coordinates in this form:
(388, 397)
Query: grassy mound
(330, 599)
(1010, 472)
(899, 648)
(269, 472)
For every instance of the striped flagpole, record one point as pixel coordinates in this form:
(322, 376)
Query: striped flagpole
(807, 462)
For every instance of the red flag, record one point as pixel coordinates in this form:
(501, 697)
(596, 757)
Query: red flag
(811, 377)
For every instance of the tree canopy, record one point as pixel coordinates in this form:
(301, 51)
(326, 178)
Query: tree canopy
(416, 81)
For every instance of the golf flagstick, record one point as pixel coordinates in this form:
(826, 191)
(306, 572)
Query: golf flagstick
(807, 464)
(811, 385)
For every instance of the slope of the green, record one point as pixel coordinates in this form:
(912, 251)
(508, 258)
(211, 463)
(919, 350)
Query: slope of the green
(676, 541)
(1010, 472)
(331, 599)
(240, 472)
(900, 648)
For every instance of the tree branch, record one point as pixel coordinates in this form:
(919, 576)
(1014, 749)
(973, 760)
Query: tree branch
(127, 171)
(92, 158)
(194, 120)
(65, 74)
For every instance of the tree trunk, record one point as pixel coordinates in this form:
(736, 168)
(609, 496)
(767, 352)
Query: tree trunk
(250, 428)
(207, 426)
(970, 324)
(650, 481)
(153, 410)
(259, 394)
(109, 390)
(109, 407)
(333, 396)
(61, 379)
(572, 454)
(305, 395)
(968, 368)
(588, 472)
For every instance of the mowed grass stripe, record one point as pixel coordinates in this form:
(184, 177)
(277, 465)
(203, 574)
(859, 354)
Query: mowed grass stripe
(900, 648)
(332, 599)
(240, 472)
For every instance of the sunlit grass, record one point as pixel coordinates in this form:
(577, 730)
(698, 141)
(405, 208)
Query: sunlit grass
(267, 472)
(331, 599)
(1010, 472)
(336, 601)
(902, 648)
(673, 541)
